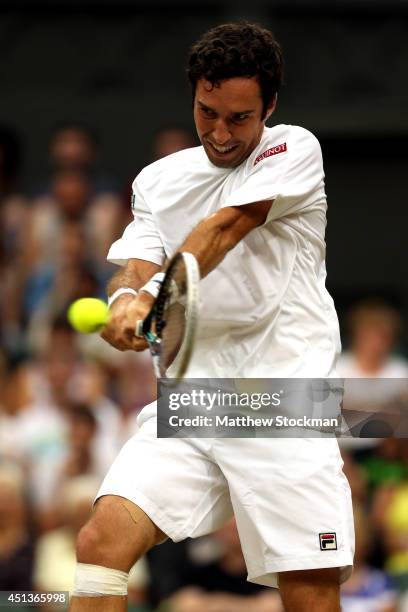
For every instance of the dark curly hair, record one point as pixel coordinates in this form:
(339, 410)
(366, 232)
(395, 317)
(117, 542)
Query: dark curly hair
(238, 50)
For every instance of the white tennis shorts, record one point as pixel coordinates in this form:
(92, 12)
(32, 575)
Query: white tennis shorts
(291, 500)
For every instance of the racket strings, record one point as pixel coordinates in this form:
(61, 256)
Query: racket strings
(173, 319)
(171, 325)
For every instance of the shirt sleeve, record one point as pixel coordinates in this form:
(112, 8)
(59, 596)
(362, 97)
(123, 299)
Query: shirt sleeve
(140, 240)
(288, 173)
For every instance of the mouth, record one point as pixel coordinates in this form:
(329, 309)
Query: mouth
(222, 151)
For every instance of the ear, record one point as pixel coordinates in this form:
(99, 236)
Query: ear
(271, 107)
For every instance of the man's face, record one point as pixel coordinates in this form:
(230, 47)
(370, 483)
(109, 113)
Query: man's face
(228, 119)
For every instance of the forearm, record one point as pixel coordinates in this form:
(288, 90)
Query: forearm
(134, 275)
(216, 235)
(209, 243)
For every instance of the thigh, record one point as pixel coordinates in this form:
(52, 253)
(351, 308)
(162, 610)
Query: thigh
(174, 481)
(292, 503)
(107, 508)
(117, 534)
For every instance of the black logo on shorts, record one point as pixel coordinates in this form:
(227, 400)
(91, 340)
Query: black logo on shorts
(328, 541)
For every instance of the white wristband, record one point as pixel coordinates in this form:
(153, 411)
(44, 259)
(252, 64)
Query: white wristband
(154, 284)
(119, 292)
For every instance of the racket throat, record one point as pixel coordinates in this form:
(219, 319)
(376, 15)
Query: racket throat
(152, 339)
(155, 345)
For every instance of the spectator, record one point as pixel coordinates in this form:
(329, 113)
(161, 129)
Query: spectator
(374, 329)
(75, 193)
(170, 140)
(14, 395)
(216, 579)
(16, 543)
(52, 287)
(57, 380)
(6, 419)
(391, 513)
(136, 387)
(78, 458)
(73, 146)
(385, 464)
(14, 219)
(68, 201)
(55, 554)
(61, 270)
(368, 589)
(13, 206)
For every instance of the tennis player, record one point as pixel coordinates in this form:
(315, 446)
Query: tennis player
(250, 205)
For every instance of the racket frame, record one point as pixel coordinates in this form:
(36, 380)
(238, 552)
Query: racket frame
(179, 366)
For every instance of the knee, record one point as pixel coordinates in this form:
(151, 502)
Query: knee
(111, 537)
(102, 541)
(91, 542)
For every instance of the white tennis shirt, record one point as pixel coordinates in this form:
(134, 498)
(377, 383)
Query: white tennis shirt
(265, 311)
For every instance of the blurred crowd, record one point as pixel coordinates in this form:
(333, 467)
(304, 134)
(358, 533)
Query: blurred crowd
(68, 403)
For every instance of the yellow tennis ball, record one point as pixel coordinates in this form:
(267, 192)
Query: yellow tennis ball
(88, 315)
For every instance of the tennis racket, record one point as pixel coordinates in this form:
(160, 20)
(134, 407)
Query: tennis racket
(170, 327)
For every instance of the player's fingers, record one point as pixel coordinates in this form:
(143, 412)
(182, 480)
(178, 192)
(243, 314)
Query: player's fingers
(139, 344)
(121, 342)
(117, 344)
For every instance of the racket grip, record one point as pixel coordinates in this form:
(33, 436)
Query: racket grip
(139, 329)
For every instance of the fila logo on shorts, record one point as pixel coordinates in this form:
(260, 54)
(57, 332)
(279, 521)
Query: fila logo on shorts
(328, 541)
(281, 148)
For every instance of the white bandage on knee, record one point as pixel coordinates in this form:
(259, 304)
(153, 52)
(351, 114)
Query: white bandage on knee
(98, 581)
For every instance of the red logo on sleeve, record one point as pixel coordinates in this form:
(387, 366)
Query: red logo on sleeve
(281, 148)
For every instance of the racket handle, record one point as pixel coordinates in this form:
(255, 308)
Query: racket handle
(139, 329)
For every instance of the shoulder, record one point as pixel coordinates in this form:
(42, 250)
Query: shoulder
(298, 138)
(167, 168)
(285, 142)
(289, 134)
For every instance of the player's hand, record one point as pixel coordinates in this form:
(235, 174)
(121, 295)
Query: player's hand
(125, 312)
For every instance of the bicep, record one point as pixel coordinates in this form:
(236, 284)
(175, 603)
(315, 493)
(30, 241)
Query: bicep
(254, 214)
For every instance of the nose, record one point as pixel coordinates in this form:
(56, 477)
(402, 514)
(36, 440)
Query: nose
(221, 133)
